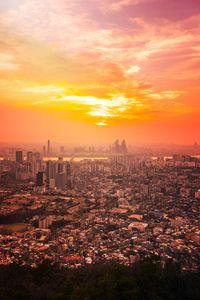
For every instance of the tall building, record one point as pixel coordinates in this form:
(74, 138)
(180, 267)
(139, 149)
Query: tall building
(30, 156)
(68, 169)
(120, 148)
(19, 156)
(68, 175)
(41, 179)
(48, 172)
(51, 170)
(60, 165)
(48, 147)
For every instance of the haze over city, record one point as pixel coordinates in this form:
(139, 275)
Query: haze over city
(92, 71)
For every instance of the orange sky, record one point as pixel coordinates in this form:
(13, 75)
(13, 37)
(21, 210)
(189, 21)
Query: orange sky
(95, 70)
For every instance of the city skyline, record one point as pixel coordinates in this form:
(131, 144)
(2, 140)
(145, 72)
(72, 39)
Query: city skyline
(108, 69)
(99, 149)
(121, 207)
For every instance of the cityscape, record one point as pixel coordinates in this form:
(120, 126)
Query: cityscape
(100, 150)
(99, 206)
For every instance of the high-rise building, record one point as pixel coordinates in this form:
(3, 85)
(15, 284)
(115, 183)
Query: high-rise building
(48, 147)
(41, 179)
(19, 156)
(48, 172)
(30, 156)
(119, 148)
(68, 175)
(51, 170)
(60, 165)
(68, 169)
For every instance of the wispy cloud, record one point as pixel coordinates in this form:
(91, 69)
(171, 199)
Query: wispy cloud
(43, 89)
(115, 107)
(117, 5)
(7, 62)
(111, 68)
(133, 70)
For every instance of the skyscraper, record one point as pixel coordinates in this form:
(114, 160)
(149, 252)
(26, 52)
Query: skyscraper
(60, 165)
(61, 180)
(51, 170)
(19, 156)
(30, 156)
(41, 179)
(48, 147)
(68, 175)
(120, 148)
(123, 147)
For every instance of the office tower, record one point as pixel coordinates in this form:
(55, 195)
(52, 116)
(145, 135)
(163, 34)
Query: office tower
(60, 165)
(23, 171)
(41, 179)
(68, 169)
(68, 175)
(19, 156)
(48, 147)
(51, 170)
(36, 164)
(120, 148)
(30, 156)
(48, 172)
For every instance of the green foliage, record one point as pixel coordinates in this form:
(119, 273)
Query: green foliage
(145, 280)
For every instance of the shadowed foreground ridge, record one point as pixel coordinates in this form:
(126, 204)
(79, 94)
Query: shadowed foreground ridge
(145, 280)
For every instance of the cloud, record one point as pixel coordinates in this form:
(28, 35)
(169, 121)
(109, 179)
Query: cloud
(108, 67)
(7, 62)
(101, 124)
(133, 70)
(115, 107)
(43, 89)
(165, 95)
(117, 5)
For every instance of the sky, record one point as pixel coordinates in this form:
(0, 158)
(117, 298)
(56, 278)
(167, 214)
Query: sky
(91, 71)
